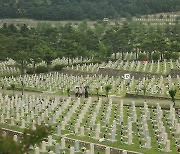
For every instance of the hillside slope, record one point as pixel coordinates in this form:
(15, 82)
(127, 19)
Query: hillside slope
(81, 9)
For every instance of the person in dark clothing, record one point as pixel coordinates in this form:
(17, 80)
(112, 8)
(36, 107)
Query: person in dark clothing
(86, 88)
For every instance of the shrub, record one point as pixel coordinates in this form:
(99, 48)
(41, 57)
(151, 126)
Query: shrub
(142, 56)
(167, 55)
(172, 93)
(58, 67)
(108, 88)
(30, 71)
(32, 137)
(41, 69)
(13, 86)
(96, 61)
(175, 55)
(156, 56)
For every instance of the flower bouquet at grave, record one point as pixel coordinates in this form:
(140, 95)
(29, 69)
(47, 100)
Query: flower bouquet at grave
(142, 57)
(145, 59)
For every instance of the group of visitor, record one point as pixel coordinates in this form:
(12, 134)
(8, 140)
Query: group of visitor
(79, 91)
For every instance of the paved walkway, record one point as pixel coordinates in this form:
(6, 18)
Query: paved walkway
(114, 98)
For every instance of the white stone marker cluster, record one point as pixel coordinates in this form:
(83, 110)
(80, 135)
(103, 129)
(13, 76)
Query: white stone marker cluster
(54, 82)
(27, 111)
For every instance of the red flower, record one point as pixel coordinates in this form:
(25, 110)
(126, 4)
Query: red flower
(144, 59)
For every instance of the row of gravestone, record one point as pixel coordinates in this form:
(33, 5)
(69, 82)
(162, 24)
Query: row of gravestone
(54, 82)
(131, 66)
(52, 147)
(137, 75)
(20, 105)
(43, 110)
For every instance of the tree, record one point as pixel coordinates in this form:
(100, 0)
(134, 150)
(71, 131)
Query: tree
(144, 90)
(124, 39)
(148, 44)
(8, 145)
(4, 29)
(160, 44)
(24, 30)
(35, 56)
(82, 52)
(90, 40)
(103, 50)
(172, 93)
(100, 27)
(79, 10)
(29, 137)
(97, 92)
(22, 60)
(35, 52)
(12, 28)
(108, 88)
(175, 46)
(3, 54)
(32, 137)
(175, 55)
(110, 39)
(167, 55)
(69, 49)
(137, 37)
(156, 56)
(48, 54)
(83, 26)
(142, 57)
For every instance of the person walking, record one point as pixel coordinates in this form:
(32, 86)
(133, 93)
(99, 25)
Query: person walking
(76, 91)
(86, 88)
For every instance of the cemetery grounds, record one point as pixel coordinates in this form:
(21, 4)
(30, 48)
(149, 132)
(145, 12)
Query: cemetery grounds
(133, 126)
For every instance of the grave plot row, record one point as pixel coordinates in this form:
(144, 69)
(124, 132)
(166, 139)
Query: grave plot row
(64, 61)
(132, 66)
(142, 129)
(155, 20)
(130, 55)
(9, 71)
(56, 82)
(7, 68)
